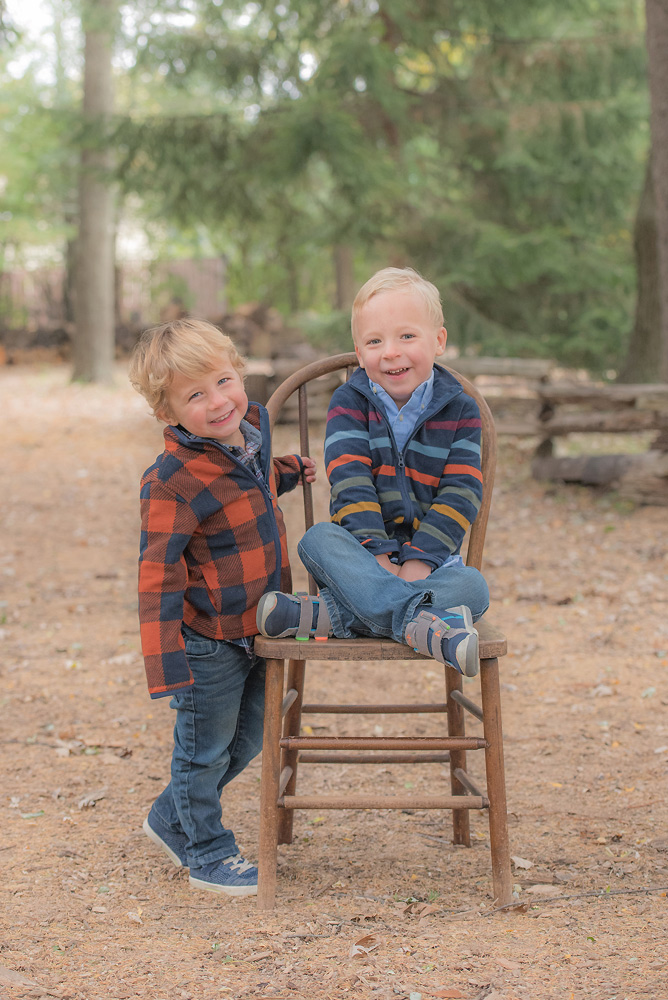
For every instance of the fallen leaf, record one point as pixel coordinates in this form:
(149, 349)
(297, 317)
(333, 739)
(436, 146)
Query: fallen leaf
(364, 946)
(14, 978)
(89, 800)
(521, 862)
(505, 964)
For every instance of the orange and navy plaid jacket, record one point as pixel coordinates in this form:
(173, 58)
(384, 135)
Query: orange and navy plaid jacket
(212, 543)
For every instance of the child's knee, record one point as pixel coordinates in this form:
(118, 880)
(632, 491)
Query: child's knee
(321, 534)
(479, 600)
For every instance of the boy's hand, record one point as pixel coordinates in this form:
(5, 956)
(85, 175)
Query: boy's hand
(309, 468)
(414, 569)
(384, 560)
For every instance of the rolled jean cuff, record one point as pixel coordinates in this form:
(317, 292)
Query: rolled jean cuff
(426, 597)
(338, 628)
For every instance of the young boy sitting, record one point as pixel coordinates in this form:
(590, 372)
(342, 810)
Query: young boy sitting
(402, 452)
(212, 542)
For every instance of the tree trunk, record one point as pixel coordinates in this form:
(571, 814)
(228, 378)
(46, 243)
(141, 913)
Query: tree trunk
(93, 353)
(345, 278)
(657, 51)
(643, 359)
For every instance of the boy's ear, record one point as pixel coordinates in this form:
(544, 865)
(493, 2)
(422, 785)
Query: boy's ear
(441, 340)
(163, 415)
(359, 356)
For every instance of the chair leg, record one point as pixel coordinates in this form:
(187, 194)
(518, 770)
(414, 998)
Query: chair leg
(496, 782)
(271, 763)
(461, 833)
(289, 758)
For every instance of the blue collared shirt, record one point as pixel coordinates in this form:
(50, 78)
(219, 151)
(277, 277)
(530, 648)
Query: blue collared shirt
(403, 421)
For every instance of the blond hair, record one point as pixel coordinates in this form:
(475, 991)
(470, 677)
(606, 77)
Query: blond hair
(392, 279)
(189, 347)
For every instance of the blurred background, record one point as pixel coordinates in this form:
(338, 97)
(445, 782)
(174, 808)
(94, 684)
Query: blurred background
(254, 163)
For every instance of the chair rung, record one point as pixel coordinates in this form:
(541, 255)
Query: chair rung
(286, 774)
(466, 703)
(289, 700)
(411, 709)
(467, 781)
(383, 743)
(382, 802)
(442, 757)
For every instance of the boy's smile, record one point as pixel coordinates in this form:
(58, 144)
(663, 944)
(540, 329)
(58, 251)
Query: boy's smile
(212, 405)
(396, 342)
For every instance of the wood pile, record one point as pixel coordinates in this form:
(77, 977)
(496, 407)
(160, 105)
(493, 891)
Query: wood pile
(614, 409)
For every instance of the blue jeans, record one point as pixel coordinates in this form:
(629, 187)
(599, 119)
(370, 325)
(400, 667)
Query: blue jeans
(218, 731)
(363, 598)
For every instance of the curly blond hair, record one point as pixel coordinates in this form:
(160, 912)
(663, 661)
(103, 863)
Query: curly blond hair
(189, 347)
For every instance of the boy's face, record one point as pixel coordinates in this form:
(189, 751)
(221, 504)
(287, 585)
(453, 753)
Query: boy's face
(211, 405)
(396, 342)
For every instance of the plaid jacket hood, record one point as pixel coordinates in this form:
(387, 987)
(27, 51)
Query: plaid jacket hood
(212, 543)
(416, 503)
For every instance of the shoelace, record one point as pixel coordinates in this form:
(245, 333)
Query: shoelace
(238, 863)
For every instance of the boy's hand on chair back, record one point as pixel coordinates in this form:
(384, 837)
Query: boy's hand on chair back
(309, 468)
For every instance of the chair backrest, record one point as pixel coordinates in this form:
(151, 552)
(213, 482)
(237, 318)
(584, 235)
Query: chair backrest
(298, 381)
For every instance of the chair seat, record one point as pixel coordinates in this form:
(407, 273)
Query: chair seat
(492, 644)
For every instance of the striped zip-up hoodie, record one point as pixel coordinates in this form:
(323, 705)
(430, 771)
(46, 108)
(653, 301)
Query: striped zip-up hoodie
(212, 543)
(417, 503)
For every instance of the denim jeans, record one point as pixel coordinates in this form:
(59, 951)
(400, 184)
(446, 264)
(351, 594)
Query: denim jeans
(218, 731)
(363, 598)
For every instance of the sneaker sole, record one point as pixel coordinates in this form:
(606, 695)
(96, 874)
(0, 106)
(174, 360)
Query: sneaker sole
(266, 605)
(157, 839)
(227, 890)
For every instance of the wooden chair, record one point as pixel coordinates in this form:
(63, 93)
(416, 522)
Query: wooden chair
(284, 748)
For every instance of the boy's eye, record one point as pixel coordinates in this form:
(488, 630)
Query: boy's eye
(407, 336)
(194, 396)
(223, 380)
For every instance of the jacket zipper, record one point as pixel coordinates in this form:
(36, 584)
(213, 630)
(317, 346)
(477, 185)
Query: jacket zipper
(267, 496)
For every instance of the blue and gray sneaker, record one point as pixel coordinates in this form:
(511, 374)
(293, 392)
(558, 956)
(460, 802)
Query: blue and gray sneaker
(299, 616)
(173, 844)
(234, 876)
(449, 637)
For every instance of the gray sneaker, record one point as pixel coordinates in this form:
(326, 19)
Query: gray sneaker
(234, 876)
(173, 844)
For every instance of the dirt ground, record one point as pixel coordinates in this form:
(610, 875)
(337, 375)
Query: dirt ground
(369, 904)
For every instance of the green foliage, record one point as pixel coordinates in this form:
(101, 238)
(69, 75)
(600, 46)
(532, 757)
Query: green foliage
(497, 147)
(330, 331)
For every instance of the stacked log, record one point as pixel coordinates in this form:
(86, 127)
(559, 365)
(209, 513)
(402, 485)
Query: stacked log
(616, 409)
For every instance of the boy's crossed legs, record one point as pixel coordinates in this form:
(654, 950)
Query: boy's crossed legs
(218, 731)
(363, 598)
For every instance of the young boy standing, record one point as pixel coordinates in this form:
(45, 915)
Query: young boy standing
(402, 452)
(212, 542)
